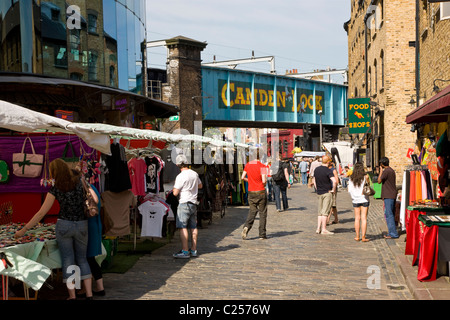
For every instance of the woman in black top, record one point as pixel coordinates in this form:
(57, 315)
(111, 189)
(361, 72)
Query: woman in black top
(71, 227)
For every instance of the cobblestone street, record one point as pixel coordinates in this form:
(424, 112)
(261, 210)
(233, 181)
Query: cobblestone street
(293, 263)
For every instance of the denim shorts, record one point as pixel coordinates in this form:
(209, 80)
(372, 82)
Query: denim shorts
(72, 239)
(364, 204)
(186, 216)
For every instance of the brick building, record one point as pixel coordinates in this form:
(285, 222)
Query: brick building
(382, 67)
(434, 31)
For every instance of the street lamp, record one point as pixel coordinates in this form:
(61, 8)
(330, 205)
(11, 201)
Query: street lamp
(435, 87)
(320, 129)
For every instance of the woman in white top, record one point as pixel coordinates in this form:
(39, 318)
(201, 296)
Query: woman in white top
(359, 200)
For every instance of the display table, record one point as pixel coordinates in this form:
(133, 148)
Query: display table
(33, 262)
(422, 239)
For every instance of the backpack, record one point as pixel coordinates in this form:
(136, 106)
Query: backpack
(279, 176)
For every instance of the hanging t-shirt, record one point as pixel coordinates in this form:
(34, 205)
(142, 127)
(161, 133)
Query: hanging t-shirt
(117, 207)
(137, 169)
(153, 168)
(153, 213)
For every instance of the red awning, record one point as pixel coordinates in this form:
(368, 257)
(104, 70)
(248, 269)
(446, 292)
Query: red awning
(437, 109)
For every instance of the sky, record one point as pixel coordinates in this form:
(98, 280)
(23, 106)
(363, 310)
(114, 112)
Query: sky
(302, 34)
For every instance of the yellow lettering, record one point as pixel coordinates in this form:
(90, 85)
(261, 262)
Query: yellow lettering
(281, 99)
(224, 94)
(240, 96)
(319, 102)
(271, 104)
(248, 92)
(263, 97)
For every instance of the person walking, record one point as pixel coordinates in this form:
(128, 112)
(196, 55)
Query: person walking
(304, 171)
(255, 175)
(325, 184)
(72, 225)
(360, 202)
(387, 179)
(281, 183)
(186, 187)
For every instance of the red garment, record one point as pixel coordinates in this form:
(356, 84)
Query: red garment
(254, 170)
(137, 169)
(412, 234)
(428, 253)
(412, 188)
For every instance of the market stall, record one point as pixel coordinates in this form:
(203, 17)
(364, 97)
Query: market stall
(125, 164)
(425, 192)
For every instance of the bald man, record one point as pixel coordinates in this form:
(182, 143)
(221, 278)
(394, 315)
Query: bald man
(325, 184)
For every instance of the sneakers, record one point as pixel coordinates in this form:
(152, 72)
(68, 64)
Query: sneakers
(186, 254)
(244, 233)
(182, 254)
(193, 253)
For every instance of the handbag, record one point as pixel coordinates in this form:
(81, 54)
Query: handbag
(72, 161)
(27, 165)
(367, 189)
(90, 207)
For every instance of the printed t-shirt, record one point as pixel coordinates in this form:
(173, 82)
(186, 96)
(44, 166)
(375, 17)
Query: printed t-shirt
(254, 170)
(153, 213)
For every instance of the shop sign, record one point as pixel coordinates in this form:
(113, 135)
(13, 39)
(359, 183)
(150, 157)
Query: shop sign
(264, 97)
(359, 119)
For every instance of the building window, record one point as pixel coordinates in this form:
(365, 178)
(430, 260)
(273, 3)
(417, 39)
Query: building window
(60, 56)
(369, 85)
(76, 76)
(445, 10)
(92, 23)
(92, 66)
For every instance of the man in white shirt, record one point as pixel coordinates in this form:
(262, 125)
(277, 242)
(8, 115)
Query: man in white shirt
(186, 187)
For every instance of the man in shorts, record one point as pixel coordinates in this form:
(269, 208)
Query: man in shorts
(325, 184)
(186, 186)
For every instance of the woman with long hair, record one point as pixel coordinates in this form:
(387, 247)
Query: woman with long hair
(71, 226)
(359, 200)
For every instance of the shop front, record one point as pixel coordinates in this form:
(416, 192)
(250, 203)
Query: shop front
(425, 210)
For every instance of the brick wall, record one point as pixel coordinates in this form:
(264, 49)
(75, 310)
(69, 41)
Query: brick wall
(390, 71)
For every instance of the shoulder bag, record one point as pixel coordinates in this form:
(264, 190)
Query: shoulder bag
(27, 165)
(90, 207)
(368, 190)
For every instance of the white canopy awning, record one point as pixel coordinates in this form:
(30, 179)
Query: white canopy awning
(96, 135)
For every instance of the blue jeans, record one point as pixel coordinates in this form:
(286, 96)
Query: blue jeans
(304, 177)
(186, 216)
(389, 214)
(72, 239)
(269, 188)
(277, 190)
(344, 182)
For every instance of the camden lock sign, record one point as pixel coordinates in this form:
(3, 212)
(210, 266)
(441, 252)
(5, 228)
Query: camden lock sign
(241, 97)
(359, 119)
